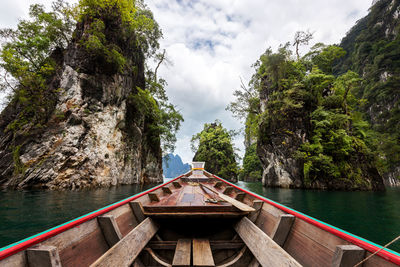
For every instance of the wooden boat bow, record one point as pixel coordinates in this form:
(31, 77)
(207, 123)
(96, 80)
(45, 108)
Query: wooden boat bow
(197, 219)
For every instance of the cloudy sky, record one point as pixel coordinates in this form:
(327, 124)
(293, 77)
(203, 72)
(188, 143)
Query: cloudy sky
(212, 43)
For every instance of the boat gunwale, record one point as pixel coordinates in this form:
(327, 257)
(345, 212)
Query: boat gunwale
(18, 246)
(370, 246)
(25, 243)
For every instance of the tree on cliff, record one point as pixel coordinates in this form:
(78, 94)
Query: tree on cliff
(94, 56)
(28, 57)
(308, 128)
(214, 146)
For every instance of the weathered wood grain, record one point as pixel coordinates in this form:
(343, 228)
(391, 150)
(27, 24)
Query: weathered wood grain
(299, 246)
(282, 229)
(347, 256)
(240, 196)
(182, 253)
(86, 251)
(126, 250)
(202, 255)
(228, 190)
(43, 256)
(153, 197)
(137, 210)
(218, 184)
(267, 252)
(15, 260)
(176, 184)
(166, 190)
(126, 222)
(241, 206)
(257, 205)
(377, 261)
(110, 229)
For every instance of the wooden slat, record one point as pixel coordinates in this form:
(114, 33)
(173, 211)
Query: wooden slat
(176, 184)
(166, 190)
(282, 229)
(228, 190)
(267, 252)
(241, 206)
(126, 250)
(182, 253)
(110, 229)
(347, 256)
(137, 210)
(215, 245)
(44, 256)
(240, 196)
(257, 205)
(305, 237)
(202, 255)
(218, 184)
(153, 197)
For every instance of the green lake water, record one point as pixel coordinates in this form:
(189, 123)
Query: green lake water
(372, 215)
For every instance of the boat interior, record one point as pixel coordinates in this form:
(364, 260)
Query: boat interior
(195, 220)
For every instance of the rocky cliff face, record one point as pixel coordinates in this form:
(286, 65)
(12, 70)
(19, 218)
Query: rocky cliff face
(372, 47)
(94, 135)
(276, 146)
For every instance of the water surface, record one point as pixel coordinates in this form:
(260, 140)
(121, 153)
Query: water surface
(372, 215)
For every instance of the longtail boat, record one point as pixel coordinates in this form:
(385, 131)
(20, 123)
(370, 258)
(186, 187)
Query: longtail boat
(196, 219)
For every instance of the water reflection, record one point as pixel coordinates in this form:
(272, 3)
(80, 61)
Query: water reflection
(372, 215)
(24, 213)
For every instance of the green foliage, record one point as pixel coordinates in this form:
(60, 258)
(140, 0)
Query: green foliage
(373, 49)
(29, 54)
(324, 56)
(305, 95)
(136, 19)
(19, 167)
(252, 169)
(214, 146)
(162, 120)
(25, 60)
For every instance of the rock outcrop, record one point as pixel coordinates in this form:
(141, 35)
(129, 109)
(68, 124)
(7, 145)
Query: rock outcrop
(276, 146)
(94, 134)
(372, 47)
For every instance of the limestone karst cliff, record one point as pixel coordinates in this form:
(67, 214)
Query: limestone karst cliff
(98, 126)
(372, 50)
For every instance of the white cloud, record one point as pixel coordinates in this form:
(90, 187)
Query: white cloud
(214, 42)
(203, 77)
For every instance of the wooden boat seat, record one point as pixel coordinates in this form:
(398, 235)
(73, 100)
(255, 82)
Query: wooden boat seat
(183, 253)
(202, 255)
(264, 249)
(128, 248)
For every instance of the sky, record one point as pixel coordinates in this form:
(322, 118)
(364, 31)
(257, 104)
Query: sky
(212, 44)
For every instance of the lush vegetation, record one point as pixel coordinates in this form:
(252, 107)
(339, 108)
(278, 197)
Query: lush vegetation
(252, 168)
(28, 61)
(373, 49)
(305, 95)
(31, 55)
(214, 146)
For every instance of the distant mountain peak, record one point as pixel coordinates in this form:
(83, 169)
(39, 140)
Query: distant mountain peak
(173, 166)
